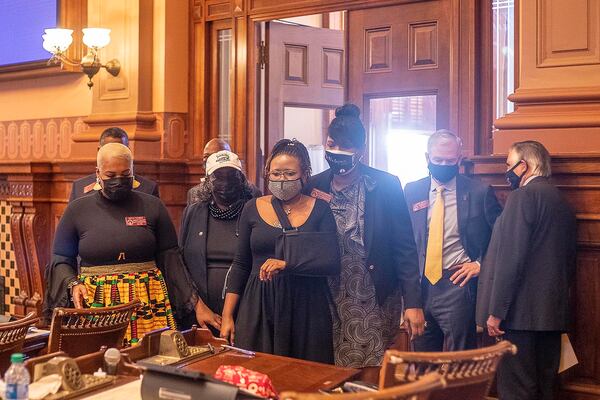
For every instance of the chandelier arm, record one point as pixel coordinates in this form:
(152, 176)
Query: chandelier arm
(66, 60)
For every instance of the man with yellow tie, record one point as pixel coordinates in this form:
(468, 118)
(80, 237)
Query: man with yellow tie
(452, 217)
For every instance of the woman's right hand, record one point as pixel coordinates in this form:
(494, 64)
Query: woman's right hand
(78, 295)
(228, 329)
(205, 316)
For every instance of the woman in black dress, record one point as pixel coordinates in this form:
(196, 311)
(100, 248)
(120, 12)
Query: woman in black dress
(128, 250)
(284, 309)
(209, 232)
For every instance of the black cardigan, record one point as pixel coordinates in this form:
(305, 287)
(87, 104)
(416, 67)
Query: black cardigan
(391, 251)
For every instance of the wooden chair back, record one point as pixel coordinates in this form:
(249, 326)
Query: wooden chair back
(82, 331)
(420, 390)
(469, 374)
(12, 337)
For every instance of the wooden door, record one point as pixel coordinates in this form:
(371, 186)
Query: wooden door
(400, 70)
(305, 70)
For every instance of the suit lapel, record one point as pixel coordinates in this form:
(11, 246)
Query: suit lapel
(462, 203)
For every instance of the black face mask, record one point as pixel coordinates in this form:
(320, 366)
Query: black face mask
(512, 178)
(117, 188)
(226, 185)
(226, 192)
(341, 163)
(443, 173)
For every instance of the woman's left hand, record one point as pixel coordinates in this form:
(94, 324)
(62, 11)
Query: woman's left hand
(270, 268)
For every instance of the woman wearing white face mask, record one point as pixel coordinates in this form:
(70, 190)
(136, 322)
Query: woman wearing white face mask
(378, 252)
(287, 248)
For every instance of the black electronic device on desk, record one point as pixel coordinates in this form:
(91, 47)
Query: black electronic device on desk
(74, 383)
(175, 350)
(169, 382)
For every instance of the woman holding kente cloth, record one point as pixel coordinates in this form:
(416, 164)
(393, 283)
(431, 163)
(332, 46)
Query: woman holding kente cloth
(128, 250)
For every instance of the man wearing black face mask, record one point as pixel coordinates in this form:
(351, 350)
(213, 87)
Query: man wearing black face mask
(526, 276)
(452, 218)
(209, 232)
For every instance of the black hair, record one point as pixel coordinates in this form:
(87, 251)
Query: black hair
(114, 132)
(346, 129)
(294, 148)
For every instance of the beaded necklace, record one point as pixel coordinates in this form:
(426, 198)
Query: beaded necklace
(228, 214)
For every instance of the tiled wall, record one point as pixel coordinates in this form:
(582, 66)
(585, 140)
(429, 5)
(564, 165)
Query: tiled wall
(8, 264)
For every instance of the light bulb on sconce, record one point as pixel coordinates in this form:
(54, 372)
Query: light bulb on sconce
(58, 40)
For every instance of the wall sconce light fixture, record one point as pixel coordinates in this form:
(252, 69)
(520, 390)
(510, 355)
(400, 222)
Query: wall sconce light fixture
(58, 40)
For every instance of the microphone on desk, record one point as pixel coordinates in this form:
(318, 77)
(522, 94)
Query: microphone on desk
(112, 357)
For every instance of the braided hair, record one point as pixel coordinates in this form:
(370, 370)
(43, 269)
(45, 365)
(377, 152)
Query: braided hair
(294, 148)
(346, 129)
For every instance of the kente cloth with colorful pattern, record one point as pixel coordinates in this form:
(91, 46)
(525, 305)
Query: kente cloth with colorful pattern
(148, 286)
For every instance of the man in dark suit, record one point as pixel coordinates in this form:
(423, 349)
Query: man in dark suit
(526, 276)
(452, 217)
(88, 185)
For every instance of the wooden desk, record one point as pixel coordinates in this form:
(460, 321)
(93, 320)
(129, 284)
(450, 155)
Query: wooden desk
(285, 373)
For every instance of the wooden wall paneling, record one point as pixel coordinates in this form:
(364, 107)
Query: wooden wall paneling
(252, 150)
(557, 77)
(273, 9)
(574, 41)
(296, 64)
(244, 63)
(468, 54)
(423, 45)
(484, 85)
(378, 49)
(333, 68)
(218, 9)
(199, 79)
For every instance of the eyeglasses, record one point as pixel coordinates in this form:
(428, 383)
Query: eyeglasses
(282, 175)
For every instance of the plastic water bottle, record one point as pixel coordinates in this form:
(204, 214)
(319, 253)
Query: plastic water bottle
(17, 379)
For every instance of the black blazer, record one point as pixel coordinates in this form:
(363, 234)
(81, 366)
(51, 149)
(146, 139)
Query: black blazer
(83, 186)
(530, 265)
(193, 246)
(389, 242)
(477, 209)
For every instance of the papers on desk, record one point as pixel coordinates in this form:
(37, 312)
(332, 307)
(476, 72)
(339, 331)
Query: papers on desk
(129, 391)
(35, 332)
(567, 354)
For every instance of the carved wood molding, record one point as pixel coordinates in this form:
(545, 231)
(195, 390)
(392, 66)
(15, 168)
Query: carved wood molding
(266, 9)
(556, 95)
(552, 118)
(54, 138)
(40, 139)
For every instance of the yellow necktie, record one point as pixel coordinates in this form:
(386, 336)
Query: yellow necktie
(435, 242)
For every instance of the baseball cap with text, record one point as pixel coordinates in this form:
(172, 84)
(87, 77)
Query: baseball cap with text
(222, 159)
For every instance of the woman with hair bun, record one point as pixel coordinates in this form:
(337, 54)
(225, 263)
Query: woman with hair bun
(286, 250)
(378, 252)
